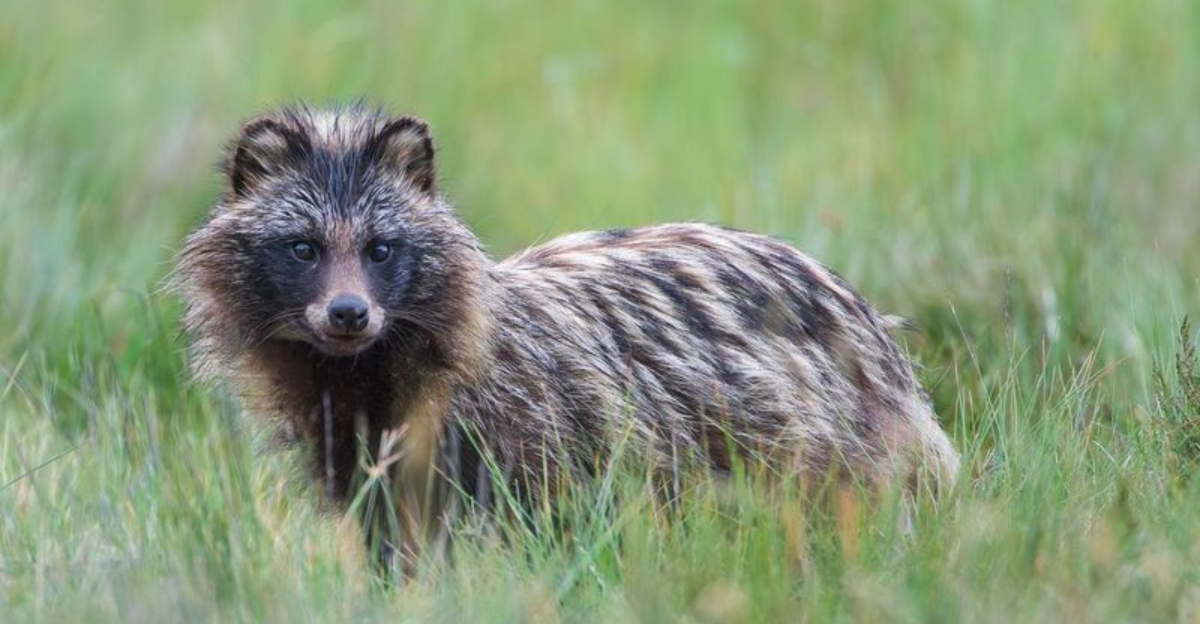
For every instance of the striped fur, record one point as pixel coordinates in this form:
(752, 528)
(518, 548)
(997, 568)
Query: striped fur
(695, 343)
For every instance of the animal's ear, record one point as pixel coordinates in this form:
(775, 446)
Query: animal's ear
(405, 146)
(264, 147)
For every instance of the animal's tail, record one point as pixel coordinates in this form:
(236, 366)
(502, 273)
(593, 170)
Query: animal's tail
(892, 322)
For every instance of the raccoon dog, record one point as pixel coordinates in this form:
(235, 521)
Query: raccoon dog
(336, 290)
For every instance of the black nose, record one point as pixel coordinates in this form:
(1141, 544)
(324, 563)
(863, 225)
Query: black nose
(349, 314)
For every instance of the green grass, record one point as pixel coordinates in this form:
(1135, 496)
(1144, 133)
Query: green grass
(1022, 178)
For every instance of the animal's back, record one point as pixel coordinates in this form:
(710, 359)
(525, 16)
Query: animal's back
(695, 341)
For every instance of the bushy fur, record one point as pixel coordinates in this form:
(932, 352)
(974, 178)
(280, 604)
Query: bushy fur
(694, 343)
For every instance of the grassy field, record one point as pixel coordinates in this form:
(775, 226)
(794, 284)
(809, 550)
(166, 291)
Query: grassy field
(1020, 177)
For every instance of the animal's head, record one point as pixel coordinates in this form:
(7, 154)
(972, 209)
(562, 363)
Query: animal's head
(330, 232)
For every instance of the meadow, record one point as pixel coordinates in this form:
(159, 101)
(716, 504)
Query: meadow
(1020, 178)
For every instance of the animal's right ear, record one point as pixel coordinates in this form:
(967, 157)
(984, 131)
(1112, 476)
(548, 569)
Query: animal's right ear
(264, 147)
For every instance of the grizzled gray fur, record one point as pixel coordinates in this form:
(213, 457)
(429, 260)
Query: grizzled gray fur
(335, 288)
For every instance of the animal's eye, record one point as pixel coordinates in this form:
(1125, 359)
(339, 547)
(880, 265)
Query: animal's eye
(380, 252)
(304, 252)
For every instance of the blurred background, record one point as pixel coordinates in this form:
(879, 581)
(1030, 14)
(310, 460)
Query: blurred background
(1021, 178)
(1033, 168)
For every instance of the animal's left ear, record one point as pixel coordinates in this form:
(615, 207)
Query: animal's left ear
(405, 146)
